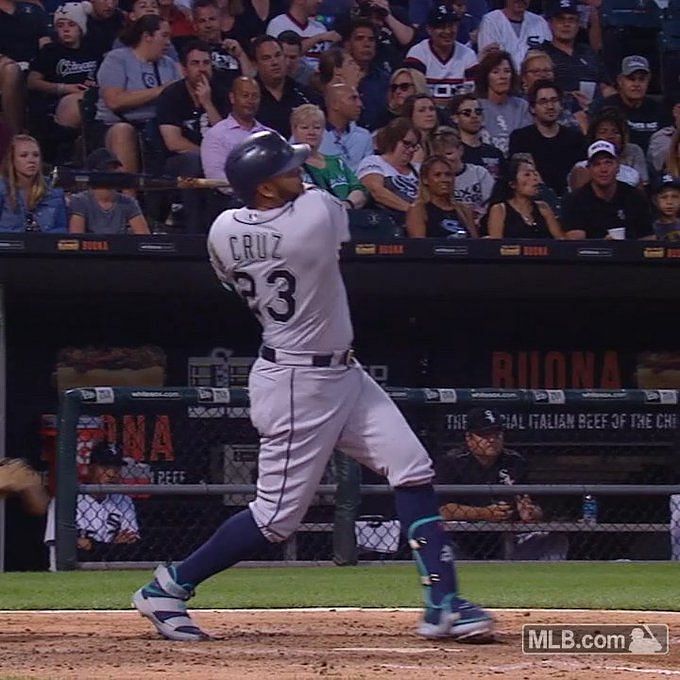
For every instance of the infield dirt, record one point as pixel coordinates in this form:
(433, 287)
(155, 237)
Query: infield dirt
(280, 645)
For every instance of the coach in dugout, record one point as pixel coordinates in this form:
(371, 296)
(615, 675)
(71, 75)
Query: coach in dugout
(484, 460)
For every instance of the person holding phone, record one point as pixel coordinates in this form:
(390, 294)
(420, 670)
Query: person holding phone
(484, 459)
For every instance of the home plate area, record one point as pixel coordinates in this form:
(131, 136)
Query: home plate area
(277, 644)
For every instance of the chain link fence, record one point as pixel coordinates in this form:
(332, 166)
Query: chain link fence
(599, 482)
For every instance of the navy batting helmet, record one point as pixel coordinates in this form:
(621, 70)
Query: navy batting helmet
(260, 157)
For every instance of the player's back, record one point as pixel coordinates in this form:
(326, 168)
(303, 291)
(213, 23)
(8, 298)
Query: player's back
(284, 263)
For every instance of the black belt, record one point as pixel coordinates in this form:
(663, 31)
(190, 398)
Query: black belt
(317, 360)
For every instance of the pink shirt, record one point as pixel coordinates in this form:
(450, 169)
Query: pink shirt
(219, 140)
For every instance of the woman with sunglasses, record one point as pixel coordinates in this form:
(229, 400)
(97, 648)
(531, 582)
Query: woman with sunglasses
(26, 202)
(436, 214)
(518, 213)
(390, 177)
(420, 109)
(404, 83)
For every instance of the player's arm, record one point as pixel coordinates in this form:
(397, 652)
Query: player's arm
(459, 512)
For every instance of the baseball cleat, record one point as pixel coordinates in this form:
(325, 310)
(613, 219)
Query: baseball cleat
(163, 602)
(463, 621)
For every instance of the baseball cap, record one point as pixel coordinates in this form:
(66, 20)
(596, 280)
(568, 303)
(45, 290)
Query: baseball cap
(484, 420)
(634, 63)
(557, 7)
(101, 160)
(105, 453)
(601, 146)
(440, 15)
(666, 181)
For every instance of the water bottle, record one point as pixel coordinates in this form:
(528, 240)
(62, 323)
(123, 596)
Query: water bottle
(589, 509)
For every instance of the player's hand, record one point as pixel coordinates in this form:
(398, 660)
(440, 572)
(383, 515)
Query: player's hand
(331, 36)
(582, 99)
(498, 512)
(126, 536)
(203, 91)
(382, 4)
(84, 543)
(528, 511)
(233, 47)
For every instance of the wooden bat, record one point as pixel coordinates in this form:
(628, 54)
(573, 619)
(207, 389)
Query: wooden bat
(79, 180)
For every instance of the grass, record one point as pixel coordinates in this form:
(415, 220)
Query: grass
(646, 586)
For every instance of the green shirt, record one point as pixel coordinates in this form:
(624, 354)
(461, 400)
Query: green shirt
(337, 177)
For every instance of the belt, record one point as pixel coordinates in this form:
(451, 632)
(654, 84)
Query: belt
(279, 356)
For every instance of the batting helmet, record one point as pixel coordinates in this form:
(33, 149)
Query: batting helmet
(260, 157)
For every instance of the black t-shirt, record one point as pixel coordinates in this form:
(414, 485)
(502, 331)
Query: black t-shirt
(444, 223)
(176, 107)
(226, 67)
(628, 208)
(249, 23)
(486, 155)
(643, 122)
(101, 33)
(60, 64)
(582, 65)
(275, 113)
(461, 467)
(21, 31)
(554, 156)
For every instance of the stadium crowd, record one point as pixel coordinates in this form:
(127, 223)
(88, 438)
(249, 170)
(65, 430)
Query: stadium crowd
(461, 119)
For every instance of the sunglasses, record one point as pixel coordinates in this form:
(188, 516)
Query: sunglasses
(401, 87)
(470, 112)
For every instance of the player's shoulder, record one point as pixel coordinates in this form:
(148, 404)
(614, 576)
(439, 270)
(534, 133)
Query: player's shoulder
(314, 195)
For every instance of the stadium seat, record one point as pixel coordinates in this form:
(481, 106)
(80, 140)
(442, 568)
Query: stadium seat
(635, 13)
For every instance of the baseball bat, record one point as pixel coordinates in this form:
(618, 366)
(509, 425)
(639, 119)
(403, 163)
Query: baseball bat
(79, 180)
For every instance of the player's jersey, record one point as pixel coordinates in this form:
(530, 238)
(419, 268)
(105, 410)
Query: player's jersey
(285, 22)
(284, 264)
(444, 78)
(102, 521)
(496, 28)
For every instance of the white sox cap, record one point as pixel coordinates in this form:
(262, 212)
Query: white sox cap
(601, 146)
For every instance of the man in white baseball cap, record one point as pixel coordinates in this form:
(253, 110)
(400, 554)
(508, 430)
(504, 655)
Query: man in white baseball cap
(605, 207)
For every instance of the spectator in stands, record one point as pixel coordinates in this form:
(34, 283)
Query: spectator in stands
(672, 163)
(343, 137)
(512, 29)
(644, 115)
(667, 203)
(104, 24)
(256, 15)
(338, 66)
(420, 109)
(130, 81)
(436, 213)
(554, 148)
(280, 94)
(503, 112)
(105, 518)
(473, 184)
(467, 116)
(138, 9)
(325, 171)
(23, 30)
(26, 202)
(484, 460)
(178, 18)
(220, 139)
(296, 67)
(442, 59)
(390, 176)
(229, 59)
(518, 213)
(186, 110)
(605, 207)
(662, 141)
(300, 18)
(404, 83)
(105, 211)
(393, 30)
(579, 70)
(229, 20)
(361, 43)
(610, 125)
(63, 70)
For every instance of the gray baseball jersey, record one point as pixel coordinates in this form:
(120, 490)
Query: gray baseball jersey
(284, 263)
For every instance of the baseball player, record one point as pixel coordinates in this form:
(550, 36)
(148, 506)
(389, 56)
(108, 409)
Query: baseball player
(308, 394)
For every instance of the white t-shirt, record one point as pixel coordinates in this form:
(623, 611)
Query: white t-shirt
(103, 520)
(444, 78)
(285, 22)
(284, 264)
(404, 186)
(473, 187)
(496, 28)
